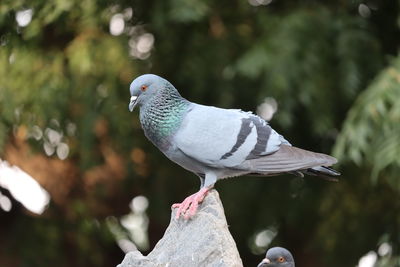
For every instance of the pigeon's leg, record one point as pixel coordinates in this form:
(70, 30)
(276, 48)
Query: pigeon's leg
(191, 203)
(202, 177)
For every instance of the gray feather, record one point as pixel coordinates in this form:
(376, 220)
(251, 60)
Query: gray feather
(263, 133)
(286, 159)
(244, 132)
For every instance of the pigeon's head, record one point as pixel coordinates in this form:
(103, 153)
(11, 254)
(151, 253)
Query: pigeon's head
(277, 257)
(144, 87)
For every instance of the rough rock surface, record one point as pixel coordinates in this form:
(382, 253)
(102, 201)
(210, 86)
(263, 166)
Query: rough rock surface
(201, 241)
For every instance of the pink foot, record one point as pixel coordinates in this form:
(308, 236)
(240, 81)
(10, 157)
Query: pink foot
(189, 206)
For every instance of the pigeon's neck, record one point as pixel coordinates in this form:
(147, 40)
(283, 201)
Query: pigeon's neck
(162, 116)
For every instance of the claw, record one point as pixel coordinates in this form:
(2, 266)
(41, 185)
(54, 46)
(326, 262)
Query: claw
(189, 206)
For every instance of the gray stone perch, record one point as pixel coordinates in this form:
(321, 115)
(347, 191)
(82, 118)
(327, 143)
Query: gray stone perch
(203, 240)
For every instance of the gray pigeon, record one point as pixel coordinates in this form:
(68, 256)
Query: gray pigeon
(277, 257)
(216, 143)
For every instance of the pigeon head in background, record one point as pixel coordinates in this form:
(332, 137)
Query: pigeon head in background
(216, 143)
(277, 257)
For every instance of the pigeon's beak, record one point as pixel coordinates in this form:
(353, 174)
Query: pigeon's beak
(132, 103)
(264, 262)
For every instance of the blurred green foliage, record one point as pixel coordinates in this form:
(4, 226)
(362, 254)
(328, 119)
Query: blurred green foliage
(332, 66)
(371, 133)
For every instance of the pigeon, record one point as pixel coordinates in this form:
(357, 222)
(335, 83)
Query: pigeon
(216, 143)
(277, 257)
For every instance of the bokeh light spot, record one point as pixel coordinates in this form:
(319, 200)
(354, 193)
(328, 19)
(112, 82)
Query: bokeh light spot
(364, 11)
(62, 151)
(139, 204)
(117, 24)
(368, 260)
(23, 188)
(259, 2)
(24, 17)
(267, 109)
(384, 249)
(5, 203)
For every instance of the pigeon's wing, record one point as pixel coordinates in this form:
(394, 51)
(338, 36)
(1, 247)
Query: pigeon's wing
(225, 137)
(288, 158)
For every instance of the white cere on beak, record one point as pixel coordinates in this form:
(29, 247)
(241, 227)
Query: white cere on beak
(266, 260)
(132, 103)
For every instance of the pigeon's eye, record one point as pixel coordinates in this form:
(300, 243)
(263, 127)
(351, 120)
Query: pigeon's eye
(281, 259)
(143, 88)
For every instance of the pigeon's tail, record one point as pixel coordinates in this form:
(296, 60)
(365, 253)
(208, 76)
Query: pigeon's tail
(289, 159)
(323, 172)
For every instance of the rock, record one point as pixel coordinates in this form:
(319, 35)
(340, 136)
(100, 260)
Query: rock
(201, 241)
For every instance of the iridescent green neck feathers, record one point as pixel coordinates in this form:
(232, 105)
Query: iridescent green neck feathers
(162, 115)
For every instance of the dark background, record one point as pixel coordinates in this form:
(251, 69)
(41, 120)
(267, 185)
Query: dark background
(331, 66)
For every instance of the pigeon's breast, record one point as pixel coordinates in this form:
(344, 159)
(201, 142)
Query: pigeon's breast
(161, 123)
